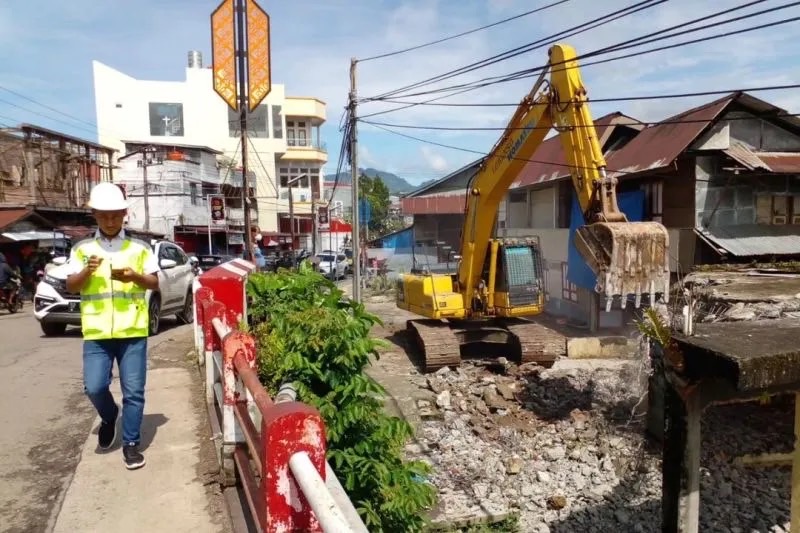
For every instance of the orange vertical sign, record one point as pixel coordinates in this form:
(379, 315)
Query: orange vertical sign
(223, 53)
(259, 79)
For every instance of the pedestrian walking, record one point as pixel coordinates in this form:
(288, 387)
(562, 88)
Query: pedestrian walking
(112, 273)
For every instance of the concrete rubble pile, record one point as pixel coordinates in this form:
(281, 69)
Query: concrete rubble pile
(745, 295)
(564, 450)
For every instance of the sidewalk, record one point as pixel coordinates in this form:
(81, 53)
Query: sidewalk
(167, 494)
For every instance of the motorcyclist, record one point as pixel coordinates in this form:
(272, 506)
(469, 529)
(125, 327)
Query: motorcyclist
(7, 275)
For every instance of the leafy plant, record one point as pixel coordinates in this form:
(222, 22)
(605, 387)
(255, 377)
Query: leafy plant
(311, 335)
(653, 327)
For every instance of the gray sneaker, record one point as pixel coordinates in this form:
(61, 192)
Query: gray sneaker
(133, 457)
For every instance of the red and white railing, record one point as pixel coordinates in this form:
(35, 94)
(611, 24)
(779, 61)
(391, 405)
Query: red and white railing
(276, 448)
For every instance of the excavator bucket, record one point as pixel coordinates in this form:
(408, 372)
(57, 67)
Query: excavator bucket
(629, 258)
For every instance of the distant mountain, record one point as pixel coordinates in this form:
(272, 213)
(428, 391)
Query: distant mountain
(395, 183)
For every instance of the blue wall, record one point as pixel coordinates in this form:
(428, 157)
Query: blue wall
(578, 272)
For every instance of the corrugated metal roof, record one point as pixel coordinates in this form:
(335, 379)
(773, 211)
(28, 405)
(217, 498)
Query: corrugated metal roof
(548, 162)
(753, 239)
(744, 155)
(781, 162)
(9, 216)
(659, 145)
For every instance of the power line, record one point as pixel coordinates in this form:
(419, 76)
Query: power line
(533, 72)
(462, 34)
(612, 99)
(642, 39)
(580, 28)
(627, 45)
(500, 128)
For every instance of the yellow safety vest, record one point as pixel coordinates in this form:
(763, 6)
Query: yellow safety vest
(113, 309)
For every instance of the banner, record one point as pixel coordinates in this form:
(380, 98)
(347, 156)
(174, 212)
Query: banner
(323, 220)
(216, 203)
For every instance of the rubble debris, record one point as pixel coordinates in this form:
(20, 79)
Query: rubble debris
(568, 454)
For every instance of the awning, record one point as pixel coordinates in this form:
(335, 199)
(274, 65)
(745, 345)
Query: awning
(753, 239)
(20, 236)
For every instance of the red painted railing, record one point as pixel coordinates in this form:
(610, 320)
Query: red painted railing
(275, 448)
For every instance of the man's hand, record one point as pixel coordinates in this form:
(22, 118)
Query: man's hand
(128, 275)
(93, 264)
(125, 275)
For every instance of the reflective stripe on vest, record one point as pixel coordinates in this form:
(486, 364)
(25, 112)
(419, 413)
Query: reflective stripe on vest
(113, 309)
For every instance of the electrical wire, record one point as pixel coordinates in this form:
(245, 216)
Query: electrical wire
(486, 155)
(497, 58)
(611, 99)
(462, 34)
(504, 128)
(533, 72)
(630, 43)
(526, 73)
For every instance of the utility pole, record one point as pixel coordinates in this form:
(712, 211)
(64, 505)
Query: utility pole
(313, 220)
(147, 162)
(354, 178)
(243, 105)
(291, 223)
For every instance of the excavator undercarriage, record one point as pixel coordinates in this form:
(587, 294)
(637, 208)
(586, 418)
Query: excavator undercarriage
(444, 342)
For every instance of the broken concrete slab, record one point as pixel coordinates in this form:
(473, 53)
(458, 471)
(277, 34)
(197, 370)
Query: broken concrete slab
(751, 356)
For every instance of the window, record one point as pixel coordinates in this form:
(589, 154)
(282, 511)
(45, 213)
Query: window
(288, 173)
(297, 133)
(777, 209)
(569, 291)
(166, 120)
(257, 123)
(193, 194)
(277, 122)
(653, 193)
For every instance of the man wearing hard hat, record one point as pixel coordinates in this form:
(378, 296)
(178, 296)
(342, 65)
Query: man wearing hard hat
(112, 273)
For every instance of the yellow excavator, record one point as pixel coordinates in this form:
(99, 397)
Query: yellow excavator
(500, 282)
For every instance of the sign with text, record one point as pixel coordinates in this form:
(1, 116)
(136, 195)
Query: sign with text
(216, 203)
(323, 220)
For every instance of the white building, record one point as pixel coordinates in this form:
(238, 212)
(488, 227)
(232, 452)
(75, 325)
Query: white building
(284, 138)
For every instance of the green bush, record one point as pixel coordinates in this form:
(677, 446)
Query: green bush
(311, 335)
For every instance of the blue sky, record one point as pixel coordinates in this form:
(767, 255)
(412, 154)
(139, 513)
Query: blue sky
(48, 48)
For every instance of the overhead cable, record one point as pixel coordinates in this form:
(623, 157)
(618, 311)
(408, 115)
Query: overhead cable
(585, 26)
(462, 34)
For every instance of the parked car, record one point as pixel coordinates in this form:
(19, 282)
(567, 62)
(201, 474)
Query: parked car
(333, 265)
(207, 262)
(55, 308)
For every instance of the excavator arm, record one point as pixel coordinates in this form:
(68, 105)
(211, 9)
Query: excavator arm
(629, 258)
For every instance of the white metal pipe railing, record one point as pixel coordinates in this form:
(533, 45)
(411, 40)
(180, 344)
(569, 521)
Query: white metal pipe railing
(326, 510)
(220, 327)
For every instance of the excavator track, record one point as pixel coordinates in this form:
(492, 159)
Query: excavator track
(439, 344)
(538, 343)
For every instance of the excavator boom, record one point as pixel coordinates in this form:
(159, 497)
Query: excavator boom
(500, 282)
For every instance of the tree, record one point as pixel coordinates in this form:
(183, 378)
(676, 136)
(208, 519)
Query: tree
(375, 191)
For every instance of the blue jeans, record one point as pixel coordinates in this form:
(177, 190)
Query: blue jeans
(98, 362)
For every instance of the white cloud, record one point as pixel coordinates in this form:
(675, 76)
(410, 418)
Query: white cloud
(435, 160)
(313, 41)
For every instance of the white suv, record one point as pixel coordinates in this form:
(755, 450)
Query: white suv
(55, 308)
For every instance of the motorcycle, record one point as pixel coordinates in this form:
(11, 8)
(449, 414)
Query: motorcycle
(10, 298)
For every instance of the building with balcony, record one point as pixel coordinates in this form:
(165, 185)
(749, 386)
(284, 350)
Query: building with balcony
(168, 188)
(283, 134)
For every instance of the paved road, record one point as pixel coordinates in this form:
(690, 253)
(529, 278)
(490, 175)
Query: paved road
(44, 418)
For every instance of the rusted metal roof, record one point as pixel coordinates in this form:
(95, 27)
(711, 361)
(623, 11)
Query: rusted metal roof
(659, 145)
(10, 216)
(781, 162)
(753, 239)
(745, 156)
(548, 162)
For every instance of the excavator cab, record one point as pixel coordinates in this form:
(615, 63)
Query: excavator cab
(514, 275)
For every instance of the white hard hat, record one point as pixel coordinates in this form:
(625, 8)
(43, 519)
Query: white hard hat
(106, 196)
